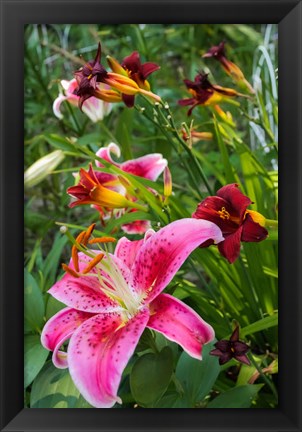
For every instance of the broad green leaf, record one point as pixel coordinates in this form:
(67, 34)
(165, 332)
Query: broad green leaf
(150, 376)
(53, 388)
(53, 306)
(170, 400)
(197, 377)
(238, 397)
(34, 358)
(33, 303)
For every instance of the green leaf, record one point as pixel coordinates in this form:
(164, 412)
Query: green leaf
(59, 142)
(53, 306)
(238, 397)
(262, 324)
(123, 131)
(150, 376)
(34, 358)
(229, 174)
(53, 388)
(51, 262)
(33, 303)
(197, 377)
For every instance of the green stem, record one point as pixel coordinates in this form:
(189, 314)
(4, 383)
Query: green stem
(263, 376)
(271, 223)
(184, 161)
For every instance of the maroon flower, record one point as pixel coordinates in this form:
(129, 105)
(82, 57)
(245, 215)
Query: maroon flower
(232, 348)
(132, 67)
(228, 210)
(88, 76)
(205, 93)
(218, 53)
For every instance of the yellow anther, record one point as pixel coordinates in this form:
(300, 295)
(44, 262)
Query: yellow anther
(224, 214)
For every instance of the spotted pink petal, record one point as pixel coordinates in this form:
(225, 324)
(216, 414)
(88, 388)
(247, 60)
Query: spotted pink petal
(83, 293)
(98, 352)
(180, 324)
(149, 166)
(126, 250)
(163, 253)
(105, 153)
(58, 329)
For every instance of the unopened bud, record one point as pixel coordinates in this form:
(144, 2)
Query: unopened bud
(167, 182)
(43, 167)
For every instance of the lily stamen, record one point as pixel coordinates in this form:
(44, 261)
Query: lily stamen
(93, 263)
(102, 240)
(70, 270)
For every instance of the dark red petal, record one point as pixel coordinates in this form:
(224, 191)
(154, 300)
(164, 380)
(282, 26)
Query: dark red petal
(78, 192)
(243, 359)
(240, 347)
(224, 358)
(132, 62)
(128, 100)
(148, 68)
(252, 231)
(216, 51)
(235, 197)
(207, 243)
(235, 335)
(230, 247)
(208, 209)
(223, 345)
(98, 55)
(82, 99)
(191, 109)
(216, 352)
(185, 102)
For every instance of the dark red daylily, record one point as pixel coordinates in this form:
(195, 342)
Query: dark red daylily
(88, 76)
(218, 52)
(120, 86)
(205, 93)
(132, 67)
(226, 349)
(228, 210)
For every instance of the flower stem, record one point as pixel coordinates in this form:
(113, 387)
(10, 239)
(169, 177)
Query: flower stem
(271, 223)
(263, 376)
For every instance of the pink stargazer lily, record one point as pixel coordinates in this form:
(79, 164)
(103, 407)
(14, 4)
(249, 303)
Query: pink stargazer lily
(149, 166)
(109, 308)
(94, 108)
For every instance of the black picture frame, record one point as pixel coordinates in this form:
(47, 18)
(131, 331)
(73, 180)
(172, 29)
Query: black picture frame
(14, 15)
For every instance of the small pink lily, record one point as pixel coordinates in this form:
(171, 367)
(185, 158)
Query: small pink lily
(109, 307)
(94, 108)
(149, 166)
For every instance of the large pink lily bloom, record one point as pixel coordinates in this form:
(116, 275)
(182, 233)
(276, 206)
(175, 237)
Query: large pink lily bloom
(94, 108)
(149, 166)
(109, 308)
